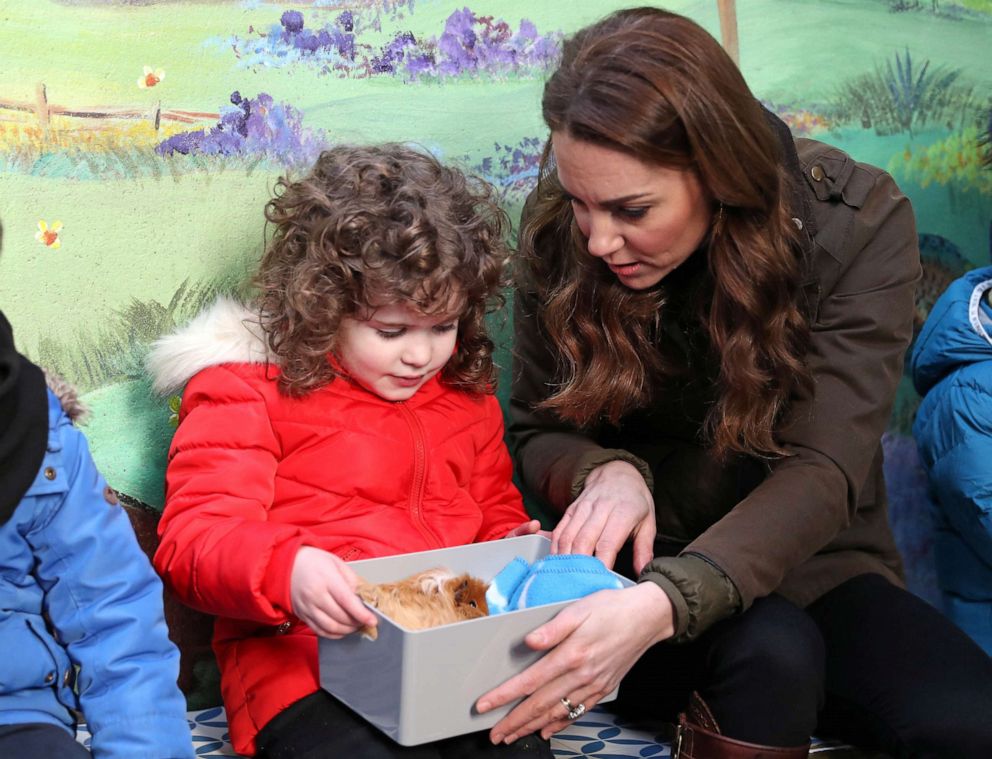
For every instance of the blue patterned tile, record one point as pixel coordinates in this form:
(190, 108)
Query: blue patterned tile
(599, 735)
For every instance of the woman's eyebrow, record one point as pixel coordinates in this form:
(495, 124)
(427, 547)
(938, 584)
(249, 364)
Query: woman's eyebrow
(612, 202)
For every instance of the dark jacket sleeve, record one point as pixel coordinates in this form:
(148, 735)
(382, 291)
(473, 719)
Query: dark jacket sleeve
(868, 266)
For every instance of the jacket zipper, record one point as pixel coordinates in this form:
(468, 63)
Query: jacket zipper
(419, 476)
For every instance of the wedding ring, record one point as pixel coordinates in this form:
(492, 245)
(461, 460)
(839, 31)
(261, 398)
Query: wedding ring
(574, 712)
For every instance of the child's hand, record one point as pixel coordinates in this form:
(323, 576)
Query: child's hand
(322, 591)
(533, 527)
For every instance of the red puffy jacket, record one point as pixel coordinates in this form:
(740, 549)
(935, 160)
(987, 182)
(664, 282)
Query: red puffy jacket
(253, 475)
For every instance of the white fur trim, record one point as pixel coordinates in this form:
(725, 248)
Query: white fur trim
(227, 332)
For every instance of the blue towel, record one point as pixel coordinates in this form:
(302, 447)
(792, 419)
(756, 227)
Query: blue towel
(563, 577)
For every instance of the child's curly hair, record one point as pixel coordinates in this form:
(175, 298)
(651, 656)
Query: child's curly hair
(371, 226)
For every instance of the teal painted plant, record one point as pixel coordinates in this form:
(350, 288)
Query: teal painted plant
(904, 96)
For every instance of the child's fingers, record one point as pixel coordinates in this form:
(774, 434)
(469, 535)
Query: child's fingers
(527, 528)
(352, 607)
(326, 625)
(349, 575)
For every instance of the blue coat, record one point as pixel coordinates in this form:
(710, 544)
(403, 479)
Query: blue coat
(81, 621)
(952, 368)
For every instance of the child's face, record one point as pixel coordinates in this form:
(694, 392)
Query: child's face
(396, 350)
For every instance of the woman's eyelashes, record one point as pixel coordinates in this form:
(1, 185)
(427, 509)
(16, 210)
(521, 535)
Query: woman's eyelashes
(631, 213)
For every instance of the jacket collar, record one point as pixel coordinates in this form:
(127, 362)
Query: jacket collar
(800, 207)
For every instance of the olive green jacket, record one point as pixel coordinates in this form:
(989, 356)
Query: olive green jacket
(734, 531)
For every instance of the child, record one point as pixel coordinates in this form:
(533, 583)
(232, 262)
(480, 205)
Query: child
(352, 419)
(81, 621)
(951, 367)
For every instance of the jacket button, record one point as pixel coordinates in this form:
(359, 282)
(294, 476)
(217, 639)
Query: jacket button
(817, 173)
(798, 222)
(49, 473)
(283, 628)
(50, 678)
(67, 677)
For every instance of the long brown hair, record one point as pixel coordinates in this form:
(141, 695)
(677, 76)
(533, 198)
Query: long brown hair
(369, 226)
(656, 86)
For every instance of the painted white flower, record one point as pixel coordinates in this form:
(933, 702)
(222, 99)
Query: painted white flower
(151, 77)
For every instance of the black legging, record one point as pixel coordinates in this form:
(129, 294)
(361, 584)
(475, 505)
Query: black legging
(321, 727)
(37, 739)
(868, 663)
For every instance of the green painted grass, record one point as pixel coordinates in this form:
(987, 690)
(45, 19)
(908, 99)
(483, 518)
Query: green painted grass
(121, 240)
(129, 435)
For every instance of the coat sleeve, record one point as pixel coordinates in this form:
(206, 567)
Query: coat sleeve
(105, 603)
(492, 480)
(860, 334)
(954, 435)
(218, 550)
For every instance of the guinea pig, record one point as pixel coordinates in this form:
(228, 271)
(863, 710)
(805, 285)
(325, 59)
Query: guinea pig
(427, 599)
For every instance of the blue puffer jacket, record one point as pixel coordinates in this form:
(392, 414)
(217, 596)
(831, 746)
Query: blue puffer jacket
(952, 369)
(81, 622)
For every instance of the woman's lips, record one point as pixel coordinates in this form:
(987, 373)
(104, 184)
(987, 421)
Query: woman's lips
(625, 270)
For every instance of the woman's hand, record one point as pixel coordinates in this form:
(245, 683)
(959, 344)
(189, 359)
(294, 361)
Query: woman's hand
(614, 504)
(594, 644)
(322, 591)
(533, 527)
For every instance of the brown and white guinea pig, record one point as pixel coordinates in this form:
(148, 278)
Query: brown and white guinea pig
(427, 599)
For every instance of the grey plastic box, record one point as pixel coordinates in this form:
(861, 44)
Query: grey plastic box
(421, 685)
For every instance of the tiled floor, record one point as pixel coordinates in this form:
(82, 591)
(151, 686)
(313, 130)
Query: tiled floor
(599, 735)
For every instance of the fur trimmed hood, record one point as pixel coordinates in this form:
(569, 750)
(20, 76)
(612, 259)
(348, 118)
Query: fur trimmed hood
(68, 397)
(226, 332)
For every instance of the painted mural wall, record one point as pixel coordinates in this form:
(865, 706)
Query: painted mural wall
(140, 139)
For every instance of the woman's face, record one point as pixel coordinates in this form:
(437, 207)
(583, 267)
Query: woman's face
(641, 219)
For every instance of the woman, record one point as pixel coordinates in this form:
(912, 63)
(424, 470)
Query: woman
(710, 329)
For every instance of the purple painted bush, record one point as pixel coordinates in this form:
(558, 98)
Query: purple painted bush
(470, 45)
(512, 169)
(253, 127)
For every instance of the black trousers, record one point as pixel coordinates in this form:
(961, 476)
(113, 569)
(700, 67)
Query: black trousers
(38, 739)
(868, 663)
(319, 726)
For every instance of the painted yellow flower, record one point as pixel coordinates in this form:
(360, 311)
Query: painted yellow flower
(151, 77)
(49, 235)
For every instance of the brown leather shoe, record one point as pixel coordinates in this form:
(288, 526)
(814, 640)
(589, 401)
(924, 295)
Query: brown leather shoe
(698, 737)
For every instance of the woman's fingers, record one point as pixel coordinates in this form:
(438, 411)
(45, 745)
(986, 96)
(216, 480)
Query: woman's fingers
(566, 530)
(644, 542)
(559, 529)
(550, 713)
(541, 638)
(588, 534)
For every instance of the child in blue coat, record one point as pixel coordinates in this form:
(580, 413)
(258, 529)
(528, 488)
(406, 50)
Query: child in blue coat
(952, 369)
(81, 621)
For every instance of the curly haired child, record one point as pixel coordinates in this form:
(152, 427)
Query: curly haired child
(348, 414)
